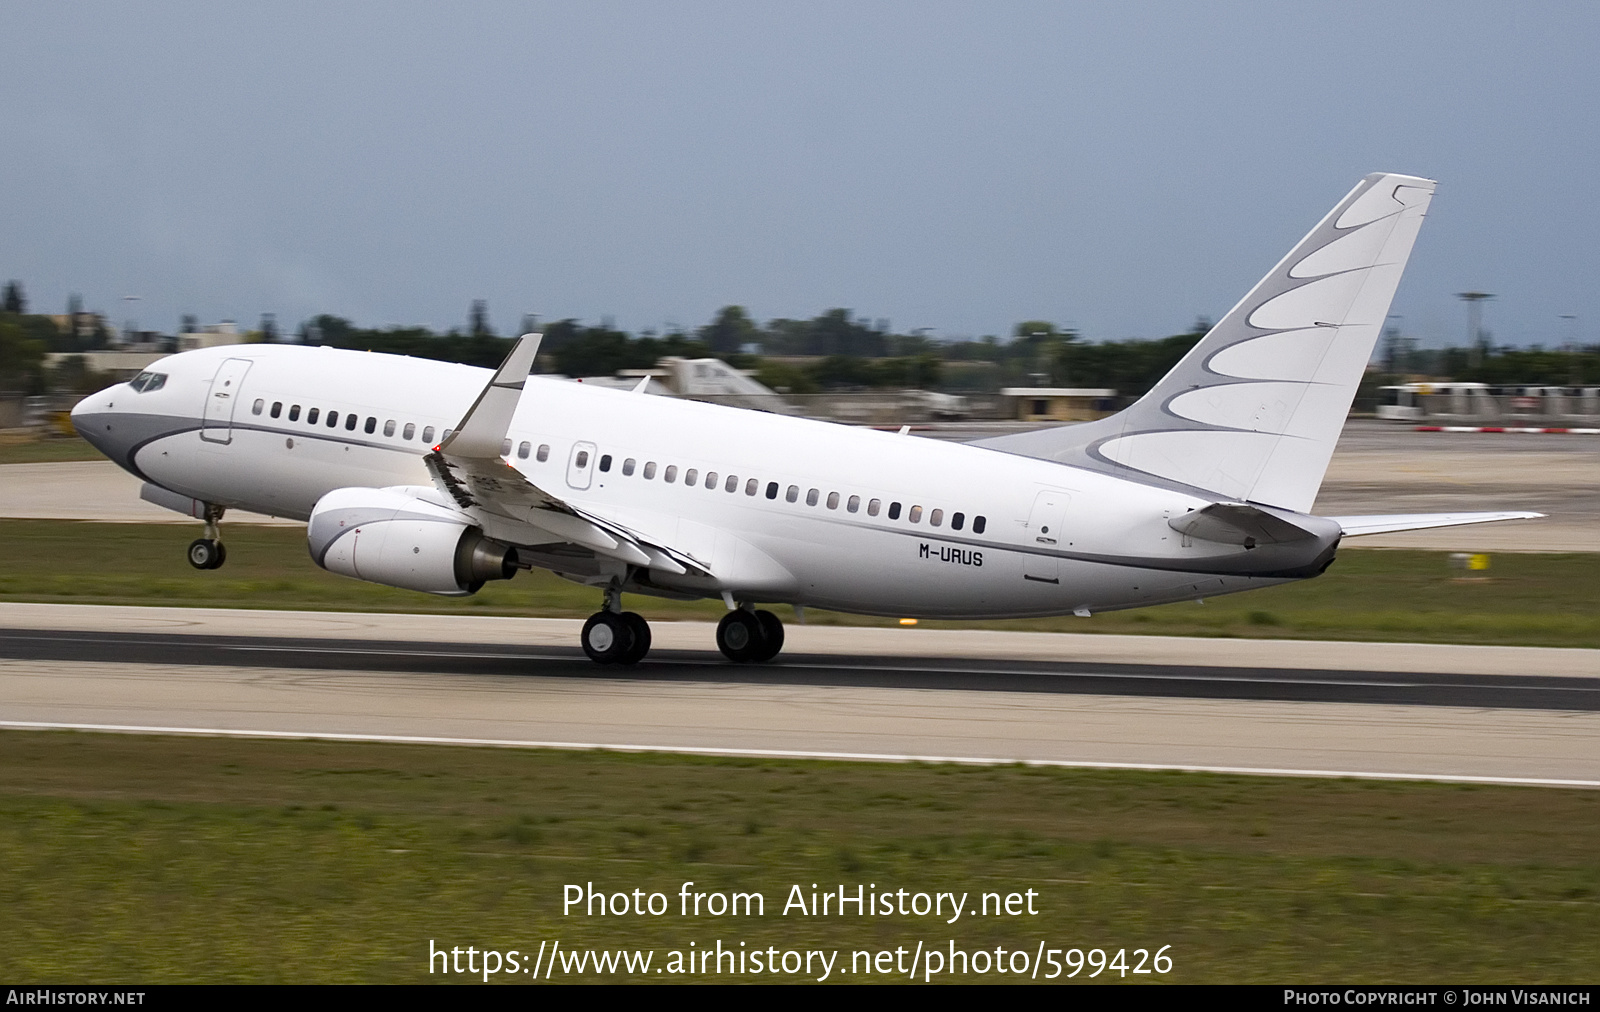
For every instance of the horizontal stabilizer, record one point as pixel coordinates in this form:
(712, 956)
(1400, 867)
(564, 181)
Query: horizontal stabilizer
(1238, 523)
(1357, 526)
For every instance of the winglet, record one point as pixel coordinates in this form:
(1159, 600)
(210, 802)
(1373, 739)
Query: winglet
(483, 428)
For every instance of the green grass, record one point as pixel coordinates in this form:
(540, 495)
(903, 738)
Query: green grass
(43, 451)
(1525, 598)
(149, 859)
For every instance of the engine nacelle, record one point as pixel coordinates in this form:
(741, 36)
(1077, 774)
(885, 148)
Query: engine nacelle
(393, 537)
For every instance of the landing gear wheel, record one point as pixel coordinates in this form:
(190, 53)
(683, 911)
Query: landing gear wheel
(739, 636)
(205, 553)
(639, 629)
(771, 636)
(606, 637)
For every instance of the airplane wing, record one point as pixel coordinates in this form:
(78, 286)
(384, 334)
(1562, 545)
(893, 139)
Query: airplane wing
(468, 468)
(1357, 526)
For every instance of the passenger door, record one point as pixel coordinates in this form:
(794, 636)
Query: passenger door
(217, 423)
(1044, 535)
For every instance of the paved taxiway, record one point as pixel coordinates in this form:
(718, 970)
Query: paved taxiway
(1372, 709)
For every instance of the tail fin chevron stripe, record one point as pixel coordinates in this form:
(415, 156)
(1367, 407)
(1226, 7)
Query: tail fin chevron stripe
(1254, 410)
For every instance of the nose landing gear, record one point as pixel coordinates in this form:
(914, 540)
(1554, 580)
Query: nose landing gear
(208, 552)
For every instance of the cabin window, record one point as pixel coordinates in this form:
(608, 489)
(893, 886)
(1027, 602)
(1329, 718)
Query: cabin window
(311, 416)
(751, 487)
(371, 426)
(671, 475)
(873, 507)
(255, 409)
(894, 511)
(732, 484)
(936, 518)
(388, 427)
(447, 434)
(711, 479)
(833, 500)
(333, 419)
(690, 477)
(409, 432)
(811, 497)
(350, 421)
(978, 524)
(854, 504)
(427, 435)
(543, 454)
(649, 470)
(605, 462)
(523, 449)
(792, 493)
(628, 466)
(957, 520)
(277, 409)
(582, 459)
(294, 413)
(772, 490)
(505, 447)
(916, 515)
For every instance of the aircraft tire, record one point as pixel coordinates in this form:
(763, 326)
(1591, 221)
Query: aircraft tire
(771, 636)
(739, 636)
(607, 637)
(206, 554)
(640, 631)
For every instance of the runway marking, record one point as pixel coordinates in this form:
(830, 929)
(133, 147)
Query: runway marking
(803, 666)
(764, 753)
(1192, 674)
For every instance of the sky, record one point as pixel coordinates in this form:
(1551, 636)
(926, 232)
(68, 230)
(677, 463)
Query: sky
(1120, 168)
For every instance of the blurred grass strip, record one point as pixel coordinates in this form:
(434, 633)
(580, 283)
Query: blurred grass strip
(152, 859)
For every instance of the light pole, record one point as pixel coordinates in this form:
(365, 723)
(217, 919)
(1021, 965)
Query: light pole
(1391, 343)
(1475, 344)
(130, 328)
(1574, 374)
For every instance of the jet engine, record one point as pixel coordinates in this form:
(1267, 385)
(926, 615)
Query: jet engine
(396, 537)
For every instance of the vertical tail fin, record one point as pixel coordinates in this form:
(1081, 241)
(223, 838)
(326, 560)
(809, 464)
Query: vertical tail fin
(1253, 411)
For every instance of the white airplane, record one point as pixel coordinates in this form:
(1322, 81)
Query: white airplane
(438, 477)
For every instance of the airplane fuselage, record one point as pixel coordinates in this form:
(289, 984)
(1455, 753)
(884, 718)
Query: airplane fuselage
(777, 509)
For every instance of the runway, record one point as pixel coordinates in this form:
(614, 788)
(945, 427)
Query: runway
(1491, 714)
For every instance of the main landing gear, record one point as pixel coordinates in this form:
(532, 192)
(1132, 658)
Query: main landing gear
(208, 552)
(749, 636)
(614, 636)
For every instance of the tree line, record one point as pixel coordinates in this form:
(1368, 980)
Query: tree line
(835, 350)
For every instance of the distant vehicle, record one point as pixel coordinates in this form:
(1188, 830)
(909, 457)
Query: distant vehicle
(1413, 402)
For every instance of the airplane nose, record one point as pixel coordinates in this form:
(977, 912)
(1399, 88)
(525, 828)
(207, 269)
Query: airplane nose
(91, 417)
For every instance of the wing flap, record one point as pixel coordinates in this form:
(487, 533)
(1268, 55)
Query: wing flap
(467, 467)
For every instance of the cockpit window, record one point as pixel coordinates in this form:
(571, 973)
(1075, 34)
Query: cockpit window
(148, 381)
